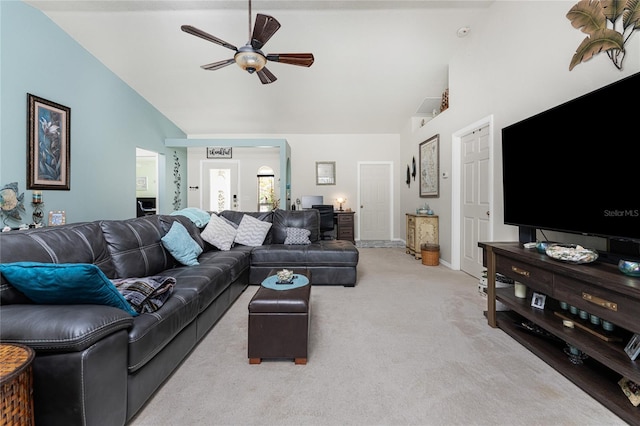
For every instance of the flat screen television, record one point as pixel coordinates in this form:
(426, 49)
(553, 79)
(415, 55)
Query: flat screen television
(307, 201)
(576, 167)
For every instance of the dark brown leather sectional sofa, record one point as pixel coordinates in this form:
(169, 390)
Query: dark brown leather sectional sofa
(98, 365)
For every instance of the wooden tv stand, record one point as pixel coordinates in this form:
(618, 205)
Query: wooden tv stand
(597, 288)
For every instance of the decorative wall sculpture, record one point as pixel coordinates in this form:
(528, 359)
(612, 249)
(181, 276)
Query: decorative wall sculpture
(608, 25)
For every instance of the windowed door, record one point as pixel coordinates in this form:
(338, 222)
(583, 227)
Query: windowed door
(266, 190)
(219, 186)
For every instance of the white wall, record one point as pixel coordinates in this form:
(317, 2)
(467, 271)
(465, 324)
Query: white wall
(249, 160)
(515, 64)
(345, 149)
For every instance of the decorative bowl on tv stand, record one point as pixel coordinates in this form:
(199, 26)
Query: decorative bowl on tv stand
(629, 267)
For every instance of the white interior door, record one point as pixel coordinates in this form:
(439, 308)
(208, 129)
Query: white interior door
(219, 183)
(475, 198)
(376, 201)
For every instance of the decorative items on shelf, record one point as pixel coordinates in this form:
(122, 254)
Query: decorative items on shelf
(11, 204)
(576, 356)
(37, 203)
(425, 209)
(629, 267)
(631, 390)
(445, 100)
(57, 218)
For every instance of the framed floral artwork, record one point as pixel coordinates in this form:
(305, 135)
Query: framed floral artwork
(48, 140)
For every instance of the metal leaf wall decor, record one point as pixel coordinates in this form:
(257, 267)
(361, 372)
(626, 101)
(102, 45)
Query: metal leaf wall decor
(608, 25)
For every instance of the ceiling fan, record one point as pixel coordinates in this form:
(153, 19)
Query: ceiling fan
(250, 56)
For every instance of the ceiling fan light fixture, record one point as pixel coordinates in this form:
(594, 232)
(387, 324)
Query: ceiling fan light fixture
(250, 60)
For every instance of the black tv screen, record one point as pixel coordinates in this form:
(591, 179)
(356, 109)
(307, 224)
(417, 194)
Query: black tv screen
(576, 167)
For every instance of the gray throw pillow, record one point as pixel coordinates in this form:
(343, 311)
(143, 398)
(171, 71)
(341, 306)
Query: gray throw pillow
(297, 236)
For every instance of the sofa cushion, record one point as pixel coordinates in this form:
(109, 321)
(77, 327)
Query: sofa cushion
(73, 243)
(64, 284)
(181, 246)
(297, 236)
(136, 247)
(236, 217)
(283, 219)
(199, 217)
(219, 233)
(252, 232)
(153, 332)
(328, 253)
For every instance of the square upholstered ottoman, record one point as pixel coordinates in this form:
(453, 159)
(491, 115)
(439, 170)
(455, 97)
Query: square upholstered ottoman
(279, 322)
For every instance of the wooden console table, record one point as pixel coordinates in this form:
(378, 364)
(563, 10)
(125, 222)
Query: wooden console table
(597, 288)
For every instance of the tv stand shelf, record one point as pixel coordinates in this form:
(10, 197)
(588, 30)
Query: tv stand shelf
(618, 300)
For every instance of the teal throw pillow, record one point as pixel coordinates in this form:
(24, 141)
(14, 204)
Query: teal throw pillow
(198, 216)
(181, 246)
(64, 284)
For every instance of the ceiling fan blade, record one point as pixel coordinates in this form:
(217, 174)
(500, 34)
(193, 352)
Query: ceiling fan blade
(263, 29)
(300, 59)
(217, 65)
(266, 76)
(199, 33)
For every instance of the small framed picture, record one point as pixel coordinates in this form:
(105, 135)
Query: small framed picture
(633, 347)
(57, 218)
(219, 152)
(537, 300)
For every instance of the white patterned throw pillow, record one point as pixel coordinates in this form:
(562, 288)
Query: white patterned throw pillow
(252, 231)
(219, 233)
(297, 236)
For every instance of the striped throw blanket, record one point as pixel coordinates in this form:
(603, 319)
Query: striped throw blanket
(146, 294)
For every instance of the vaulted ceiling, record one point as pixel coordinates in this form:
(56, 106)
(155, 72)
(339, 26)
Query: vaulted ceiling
(375, 61)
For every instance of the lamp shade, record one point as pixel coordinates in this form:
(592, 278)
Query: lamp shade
(250, 60)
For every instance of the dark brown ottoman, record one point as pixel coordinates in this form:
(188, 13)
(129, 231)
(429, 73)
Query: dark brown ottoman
(279, 323)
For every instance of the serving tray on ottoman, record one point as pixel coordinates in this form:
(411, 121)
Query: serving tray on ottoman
(279, 322)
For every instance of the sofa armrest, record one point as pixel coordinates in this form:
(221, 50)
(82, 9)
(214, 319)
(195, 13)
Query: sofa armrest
(60, 328)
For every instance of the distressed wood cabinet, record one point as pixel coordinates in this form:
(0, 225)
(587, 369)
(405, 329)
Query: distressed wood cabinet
(421, 229)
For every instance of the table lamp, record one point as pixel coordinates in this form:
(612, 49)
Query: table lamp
(340, 201)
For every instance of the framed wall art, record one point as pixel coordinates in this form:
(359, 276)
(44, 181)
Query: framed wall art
(48, 140)
(219, 152)
(430, 167)
(141, 183)
(325, 172)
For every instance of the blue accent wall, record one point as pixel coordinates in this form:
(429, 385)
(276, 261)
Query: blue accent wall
(108, 121)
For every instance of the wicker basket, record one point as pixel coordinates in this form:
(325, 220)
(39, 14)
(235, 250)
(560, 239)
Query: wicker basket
(16, 386)
(430, 254)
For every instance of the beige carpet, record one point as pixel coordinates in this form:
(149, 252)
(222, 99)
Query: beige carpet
(409, 345)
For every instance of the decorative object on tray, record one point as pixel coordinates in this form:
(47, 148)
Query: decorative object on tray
(576, 356)
(285, 276)
(631, 390)
(541, 246)
(272, 282)
(629, 267)
(571, 253)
